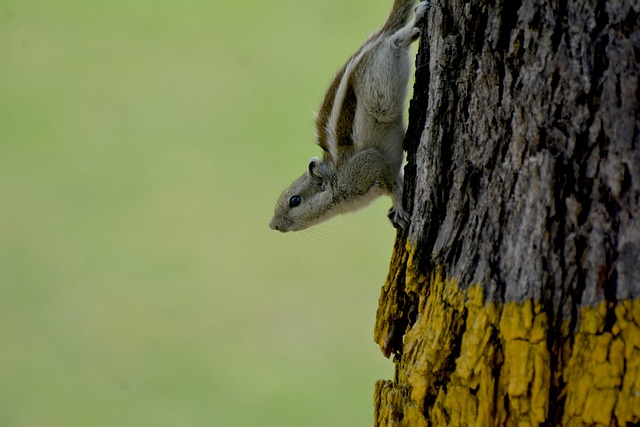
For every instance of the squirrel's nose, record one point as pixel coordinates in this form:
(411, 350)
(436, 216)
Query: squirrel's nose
(273, 225)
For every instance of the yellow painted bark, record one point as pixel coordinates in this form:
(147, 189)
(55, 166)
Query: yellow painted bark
(499, 372)
(603, 374)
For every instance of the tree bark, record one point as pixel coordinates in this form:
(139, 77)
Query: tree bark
(514, 296)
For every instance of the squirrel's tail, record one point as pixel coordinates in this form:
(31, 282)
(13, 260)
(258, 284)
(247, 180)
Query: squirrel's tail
(399, 15)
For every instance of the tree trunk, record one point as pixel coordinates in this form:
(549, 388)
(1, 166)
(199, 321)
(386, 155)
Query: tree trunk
(514, 296)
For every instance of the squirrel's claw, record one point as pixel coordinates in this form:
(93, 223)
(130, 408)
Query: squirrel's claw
(399, 218)
(421, 9)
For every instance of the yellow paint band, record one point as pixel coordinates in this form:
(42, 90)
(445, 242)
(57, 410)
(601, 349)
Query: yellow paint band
(499, 372)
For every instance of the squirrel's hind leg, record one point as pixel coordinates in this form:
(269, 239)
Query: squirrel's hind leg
(411, 32)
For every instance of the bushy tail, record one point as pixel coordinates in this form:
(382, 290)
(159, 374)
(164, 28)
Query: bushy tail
(399, 15)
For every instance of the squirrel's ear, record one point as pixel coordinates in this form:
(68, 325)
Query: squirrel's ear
(315, 169)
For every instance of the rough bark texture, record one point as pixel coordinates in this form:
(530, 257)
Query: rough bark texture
(514, 297)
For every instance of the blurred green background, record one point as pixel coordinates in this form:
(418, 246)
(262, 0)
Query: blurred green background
(143, 145)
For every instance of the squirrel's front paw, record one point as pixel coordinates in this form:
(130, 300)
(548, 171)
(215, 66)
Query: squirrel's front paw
(399, 218)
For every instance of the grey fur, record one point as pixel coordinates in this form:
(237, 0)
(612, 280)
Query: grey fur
(360, 129)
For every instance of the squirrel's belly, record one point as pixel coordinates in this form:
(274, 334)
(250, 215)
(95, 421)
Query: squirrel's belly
(362, 201)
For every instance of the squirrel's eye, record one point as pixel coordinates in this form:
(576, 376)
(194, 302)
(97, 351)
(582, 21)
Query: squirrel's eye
(295, 201)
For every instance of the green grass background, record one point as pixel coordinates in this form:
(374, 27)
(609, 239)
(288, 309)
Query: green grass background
(143, 145)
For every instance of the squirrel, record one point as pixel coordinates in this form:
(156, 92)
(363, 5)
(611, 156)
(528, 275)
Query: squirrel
(360, 128)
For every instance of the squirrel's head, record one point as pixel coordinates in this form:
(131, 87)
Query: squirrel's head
(308, 201)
